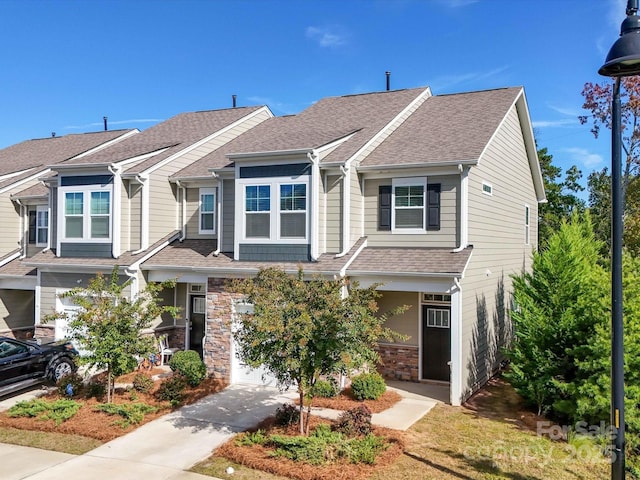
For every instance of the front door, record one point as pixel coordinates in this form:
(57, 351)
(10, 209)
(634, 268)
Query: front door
(197, 315)
(436, 342)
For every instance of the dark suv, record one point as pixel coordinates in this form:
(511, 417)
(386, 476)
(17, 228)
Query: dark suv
(23, 364)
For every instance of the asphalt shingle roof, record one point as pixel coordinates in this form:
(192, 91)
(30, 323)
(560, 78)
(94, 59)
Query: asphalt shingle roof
(327, 120)
(38, 153)
(446, 128)
(173, 135)
(410, 261)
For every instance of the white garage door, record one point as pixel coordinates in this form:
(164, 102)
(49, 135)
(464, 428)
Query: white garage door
(241, 373)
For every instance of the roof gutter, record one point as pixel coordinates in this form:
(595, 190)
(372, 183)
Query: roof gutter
(10, 258)
(367, 168)
(274, 153)
(343, 270)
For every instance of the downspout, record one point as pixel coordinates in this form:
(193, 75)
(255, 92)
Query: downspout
(23, 247)
(144, 214)
(219, 213)
(455, 390)
(464, 208)
(49, 219)
(183, 210)
(346, 211)
(315, 204)
(133, 275)
(115, 207)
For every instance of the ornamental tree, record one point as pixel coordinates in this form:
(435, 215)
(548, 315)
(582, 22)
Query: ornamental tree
(108, 325)
(301, 330)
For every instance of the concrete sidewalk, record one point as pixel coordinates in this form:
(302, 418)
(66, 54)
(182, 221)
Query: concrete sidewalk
(164, 448)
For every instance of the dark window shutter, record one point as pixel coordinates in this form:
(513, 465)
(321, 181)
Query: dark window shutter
(433, 206)
(384, 207)
(32, 226)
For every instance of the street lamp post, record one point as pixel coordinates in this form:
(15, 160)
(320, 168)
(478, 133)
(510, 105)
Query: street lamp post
(623, 60)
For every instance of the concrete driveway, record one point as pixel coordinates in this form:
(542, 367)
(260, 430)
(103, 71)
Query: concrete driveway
(164, 448)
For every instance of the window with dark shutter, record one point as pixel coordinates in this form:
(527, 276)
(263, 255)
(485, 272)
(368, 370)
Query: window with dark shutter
(433, 206)
(32, 226)
(384, 207)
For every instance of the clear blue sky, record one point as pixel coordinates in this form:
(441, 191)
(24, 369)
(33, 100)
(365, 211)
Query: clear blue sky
(66, 64)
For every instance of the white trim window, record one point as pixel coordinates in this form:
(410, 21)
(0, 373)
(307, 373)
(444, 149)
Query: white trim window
(42, 225)
(257, 208)
(293, 210)
(275, 209)
(86, 213)
(527, 225)
(207, 208)
(408, 201)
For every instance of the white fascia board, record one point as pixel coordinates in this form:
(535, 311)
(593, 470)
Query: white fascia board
(75, 268)
(10, 258)
(387, 130)
(30, 178)
(404, 284)
(369, 273)
(108, 144)
(14, 174)
(207, 139)
(225, 272)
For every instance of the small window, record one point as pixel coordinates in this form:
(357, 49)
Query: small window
(42, 226)
(527, 228)
(196, 288)
(199, 305)
(436, 298)
(438, 318)
(207, 211)
(487, 188)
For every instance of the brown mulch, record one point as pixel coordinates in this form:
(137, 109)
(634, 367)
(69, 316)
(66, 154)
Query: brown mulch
(90, 423)
(345, 401)
(258, 457)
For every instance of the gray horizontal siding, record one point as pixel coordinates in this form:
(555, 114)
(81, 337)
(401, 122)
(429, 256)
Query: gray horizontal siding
(275, 253)
(89, 250)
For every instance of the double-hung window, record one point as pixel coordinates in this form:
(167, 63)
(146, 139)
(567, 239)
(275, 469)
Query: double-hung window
(408, 200)
(207, 211)
(276, 209)
(258, 211)
(293, 210)
(86, 213)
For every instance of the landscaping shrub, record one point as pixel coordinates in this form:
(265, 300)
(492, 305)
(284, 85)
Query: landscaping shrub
(368, 386)
(58, 411)
(324, 446)
(249, 439)
(287, 415)
(131, 413)
(76, 381)
(325, 388)
(172, 390)
(354, 422)
(95, 390)
(189, 364)
(143, 382)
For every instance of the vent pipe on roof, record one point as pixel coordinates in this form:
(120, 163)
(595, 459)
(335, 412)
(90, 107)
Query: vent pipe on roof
(388, 74)
(105, 123)
(53, 134)
(233, 98)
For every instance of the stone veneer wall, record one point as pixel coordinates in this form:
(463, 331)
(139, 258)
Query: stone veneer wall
(399, 362)
(23, 333)
(217, 345)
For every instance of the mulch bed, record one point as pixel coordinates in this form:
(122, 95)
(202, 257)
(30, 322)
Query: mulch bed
(259, 458)
(90, 423)
(345, 401)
